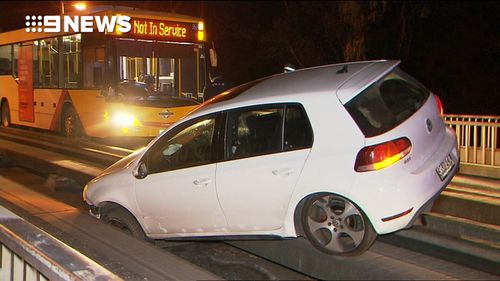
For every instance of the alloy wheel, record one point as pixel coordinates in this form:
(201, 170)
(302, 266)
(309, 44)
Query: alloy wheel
(335, 225)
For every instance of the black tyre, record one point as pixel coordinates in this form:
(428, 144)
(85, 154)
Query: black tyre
(71, 126)
(124, 221)
(336, 226)
(5, 114)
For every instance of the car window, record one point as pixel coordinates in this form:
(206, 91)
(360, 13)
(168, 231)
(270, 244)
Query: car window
(298, 131)
(254, 131)
(387, 103)
(190, 146)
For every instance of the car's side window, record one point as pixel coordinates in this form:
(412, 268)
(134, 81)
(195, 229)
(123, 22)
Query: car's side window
(190, 146)
(254, 131)
(298, 131)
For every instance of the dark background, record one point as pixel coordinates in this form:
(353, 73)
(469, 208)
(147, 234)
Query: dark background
(452, 47)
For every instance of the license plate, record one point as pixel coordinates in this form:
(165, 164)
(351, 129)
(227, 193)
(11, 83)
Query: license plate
(445, 167)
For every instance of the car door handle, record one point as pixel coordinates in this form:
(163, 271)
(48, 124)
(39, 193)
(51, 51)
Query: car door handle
(283, 172)
(202, 182)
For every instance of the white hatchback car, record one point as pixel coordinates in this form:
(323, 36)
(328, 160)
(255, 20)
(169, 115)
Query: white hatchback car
(337, 153)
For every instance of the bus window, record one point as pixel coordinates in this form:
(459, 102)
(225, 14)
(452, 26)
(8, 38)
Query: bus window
(166, 79)
(188, 80)
(6, 60)
(71, 60)
(46, 63)
(132, 68)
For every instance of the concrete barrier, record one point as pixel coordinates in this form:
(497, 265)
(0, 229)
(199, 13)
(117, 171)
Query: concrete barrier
(29, 254)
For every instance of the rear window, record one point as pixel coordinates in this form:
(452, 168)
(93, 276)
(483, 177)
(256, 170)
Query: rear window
(387, 103)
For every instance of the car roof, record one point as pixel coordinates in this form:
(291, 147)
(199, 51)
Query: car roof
(344, 79)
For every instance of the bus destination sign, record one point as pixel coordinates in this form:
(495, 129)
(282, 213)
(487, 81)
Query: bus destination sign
(162, 30)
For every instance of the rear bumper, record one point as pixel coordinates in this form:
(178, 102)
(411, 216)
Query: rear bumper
(427, 207)
(394, 198)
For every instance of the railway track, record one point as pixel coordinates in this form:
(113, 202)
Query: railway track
(81, 160)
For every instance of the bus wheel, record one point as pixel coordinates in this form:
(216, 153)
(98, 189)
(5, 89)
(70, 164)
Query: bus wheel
(5, 114)
(71, 126)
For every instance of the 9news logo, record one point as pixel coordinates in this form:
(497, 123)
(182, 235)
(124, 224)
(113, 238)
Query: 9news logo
(34, 23)
(120, 24)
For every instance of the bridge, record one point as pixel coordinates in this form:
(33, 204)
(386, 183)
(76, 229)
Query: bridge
(463, 225)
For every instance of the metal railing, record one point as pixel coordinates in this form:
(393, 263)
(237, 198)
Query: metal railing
(29, 254)
(477, 138)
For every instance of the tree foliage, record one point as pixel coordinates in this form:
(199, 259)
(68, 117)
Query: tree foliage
(451, 47)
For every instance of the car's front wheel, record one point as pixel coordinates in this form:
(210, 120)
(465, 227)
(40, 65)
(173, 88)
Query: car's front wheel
(335, 225)
(124, 221)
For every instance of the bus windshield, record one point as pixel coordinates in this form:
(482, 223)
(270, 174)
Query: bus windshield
(161, 69)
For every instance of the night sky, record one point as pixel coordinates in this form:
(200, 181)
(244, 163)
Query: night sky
(452, 47)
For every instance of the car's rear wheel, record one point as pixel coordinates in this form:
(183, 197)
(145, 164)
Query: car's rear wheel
(5, 114)
(335, 225)
(124, 221)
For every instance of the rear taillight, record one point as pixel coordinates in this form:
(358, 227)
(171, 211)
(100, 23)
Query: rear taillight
(382, 155)
(439, 105)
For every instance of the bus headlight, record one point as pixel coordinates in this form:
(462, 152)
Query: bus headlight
(124, 119)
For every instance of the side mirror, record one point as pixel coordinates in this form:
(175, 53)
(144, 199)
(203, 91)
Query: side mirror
(141, 171)
(216, 84)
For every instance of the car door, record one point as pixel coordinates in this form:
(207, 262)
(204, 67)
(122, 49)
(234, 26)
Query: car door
(264, 159)
(178, 195)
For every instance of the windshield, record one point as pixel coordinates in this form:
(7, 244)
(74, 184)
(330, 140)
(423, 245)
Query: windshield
(161, 69)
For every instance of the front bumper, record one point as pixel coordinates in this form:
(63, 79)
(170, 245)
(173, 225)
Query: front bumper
(93, 210)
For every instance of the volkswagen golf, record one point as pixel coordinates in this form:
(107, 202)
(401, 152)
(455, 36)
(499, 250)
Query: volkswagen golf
(338, 154)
